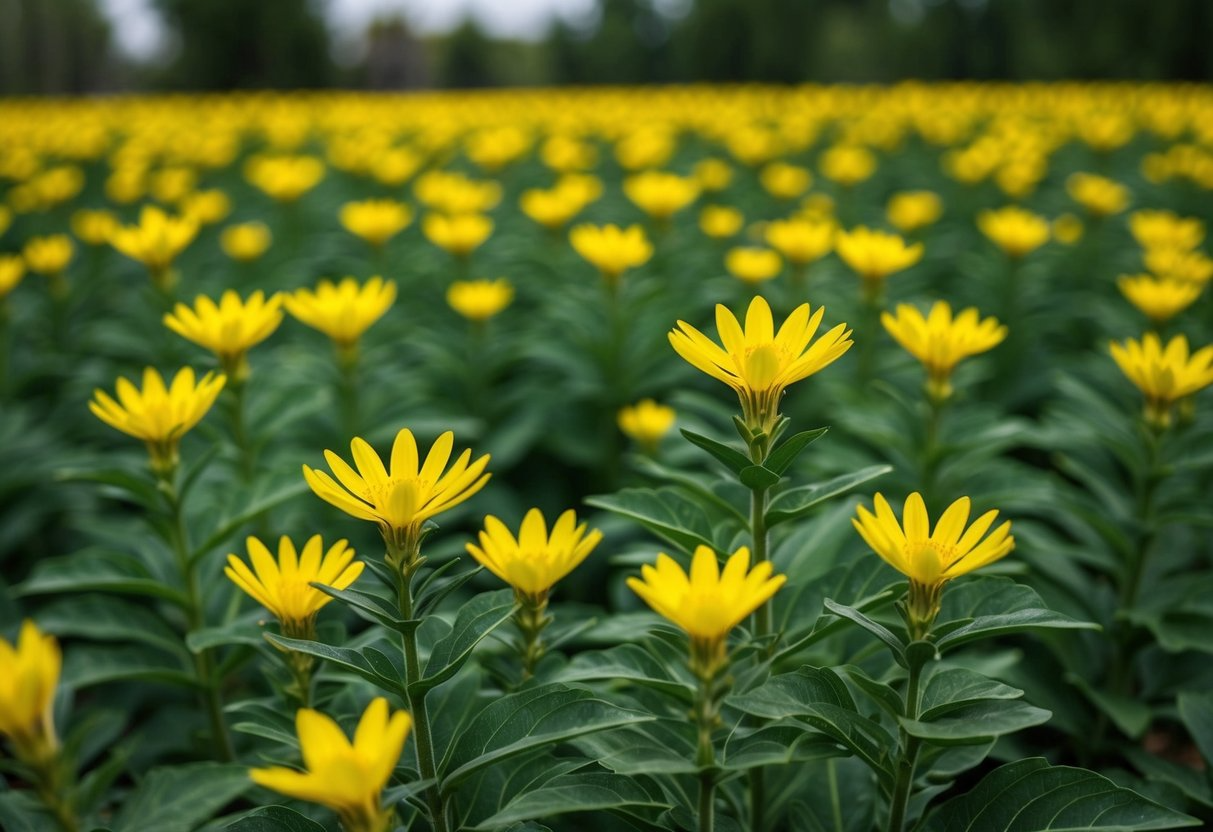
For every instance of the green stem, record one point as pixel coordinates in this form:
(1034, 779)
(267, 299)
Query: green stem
(56, 794)
(204, 661)
(707, 794)
(873, 290)
(247, 453)
(416, 697)
(758, 530)
(705, 752)
(900, 799)
(532, 619)
(347, 390)
(930, 447)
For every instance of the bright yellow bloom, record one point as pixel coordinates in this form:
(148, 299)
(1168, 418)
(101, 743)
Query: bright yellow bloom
(1166, 229)
(567, 153)
(645, 148)
(932, 558)
(874, 255)
(447, 192)
(552, 208)
(170, 185)
(1018, 232)
(284, 178)
(1067, 229)
(584, 187)
(709, 602)
(457, 234)
(230, 328)
(613, 250)
(376, 220)
(348, 778)
(29, 672)
(479, 300)
(660, 194)
(93, 228)
(847, 165)
(1101, 196)
(246, 241)
(494, 148)
(1173, 264)
(801, 240)
(159, 415)
(1159, 299)
(342, 311)
(784, 181)
(646, 422)
(756, 361)
(753, 265)
(48, 255)
(712, 174)
(402, 497)
(908, 211)
(12, 269)
(1164, 375)
(720, 221)
(282, 585)
(940, 341)
(533, 562)
(206, 207)
(156, 241)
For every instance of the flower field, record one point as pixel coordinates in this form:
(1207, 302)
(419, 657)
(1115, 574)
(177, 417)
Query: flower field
(738, 458)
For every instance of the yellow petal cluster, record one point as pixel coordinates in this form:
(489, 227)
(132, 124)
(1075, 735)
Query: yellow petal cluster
(1164, 374)
(1100, 196)
(874, 255)
(479, 300)
(284, 178)
(342, 311)
(752, 264)
(12, 269)
(228, 328)
(282, 584)
(48, 255)
(29, 672)
(758, 362)
(1153, 229)
(1017, 231)
(535, 561)
(1174, 264)
(941, 341)
(848, 165)
(375, 220)
(784, 181)
(155, 241)
(457, 234)
(801, 240)
(660, 194)
(909, 211)
(93, 227)
(720, 221)
(646, 422)
(246, 241)
(348, 778)
(611, 249)
(1159, 299)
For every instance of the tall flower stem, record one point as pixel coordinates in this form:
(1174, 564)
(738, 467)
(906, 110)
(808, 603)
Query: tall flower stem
(416, 697)
(247, 453)
(706, 717)
(347, 389)
(931, 449)
(908, 759)
(54, 787)
(763, 625)
(873, 291)
(204, 661)
(531, 619)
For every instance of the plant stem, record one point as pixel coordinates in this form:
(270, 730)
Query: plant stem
(903, 785)
(248, 458)
(758, 531)
(707, 793)
(930, 447)
(55, 794)
(705, 752)
(347, 390)
(416, 697)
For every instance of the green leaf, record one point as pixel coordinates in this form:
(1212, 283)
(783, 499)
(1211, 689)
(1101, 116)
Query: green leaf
(368, 606)
(142, 489)
(179, 798)
(1130, 715)
(595, 791)
(665, 512)
(434, 589)
(796, 502)
(758, 477)
(244, 631)
(368, 662)
(881, 632)
(732, 458)
(627, 662)
(977, 723)
(101, 618)
(258, 507)
(274, 819)
(779, 744)
(529, 719)
(1196, 712)
(476, 619)
(782, 457)
(97, 570)
(880, 693)
(87, 665)
(1033, 796)
(996, 606)
(665, 746)
(957, 687)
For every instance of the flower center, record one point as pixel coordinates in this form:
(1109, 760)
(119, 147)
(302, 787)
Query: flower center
(761, 365)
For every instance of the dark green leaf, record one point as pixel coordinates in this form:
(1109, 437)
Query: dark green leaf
(368, 663)
(977, 723)
(732, 458)
(95, 570)
(957, 687)
(796, 502)
(230, 526)
(179, 798)
(667, 513)
(367, 605)
(594, 791)
(476, 619)
(87, 665)
(783, 456)
(780, 744)
(1196, 711)
(758, 478)
(627, 662)
(879, 630)
(100, 618)
(274, 819)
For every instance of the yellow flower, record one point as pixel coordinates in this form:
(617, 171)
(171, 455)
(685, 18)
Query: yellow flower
(535, 561)
(712, 174)
(753, 265)
(49, 255)
(376, 220)
(348, 778)
(660, 194)
(156, 241)
(1099, 195)
(784, 181)
(801, 240)
(228, 329)
(282, 586)
(940, 341)
(645, 148)
(567, 153)
(1165, 229)
(1067, 229)
(931, 559)
(93, 228)
(158, 415)
(553, 208)
(1018, 232)
(284, 178)
(402, 497)
(29, 672)
(170, 185)
(908, 211)
(646, 422)
(245, 242)
(874, 255)
(479, 300)
(12, 269)
(1159, 299)
(757, 362)
(1164, 375)
(1187, 266)
(342, 311)
(847, 165)
(457, 234)
(206, 207)
(447, 192)
(720, 221)
(707, 603)
(613, 250)
(6, 219)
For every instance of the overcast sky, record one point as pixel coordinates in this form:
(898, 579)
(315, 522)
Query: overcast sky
(139, 33)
